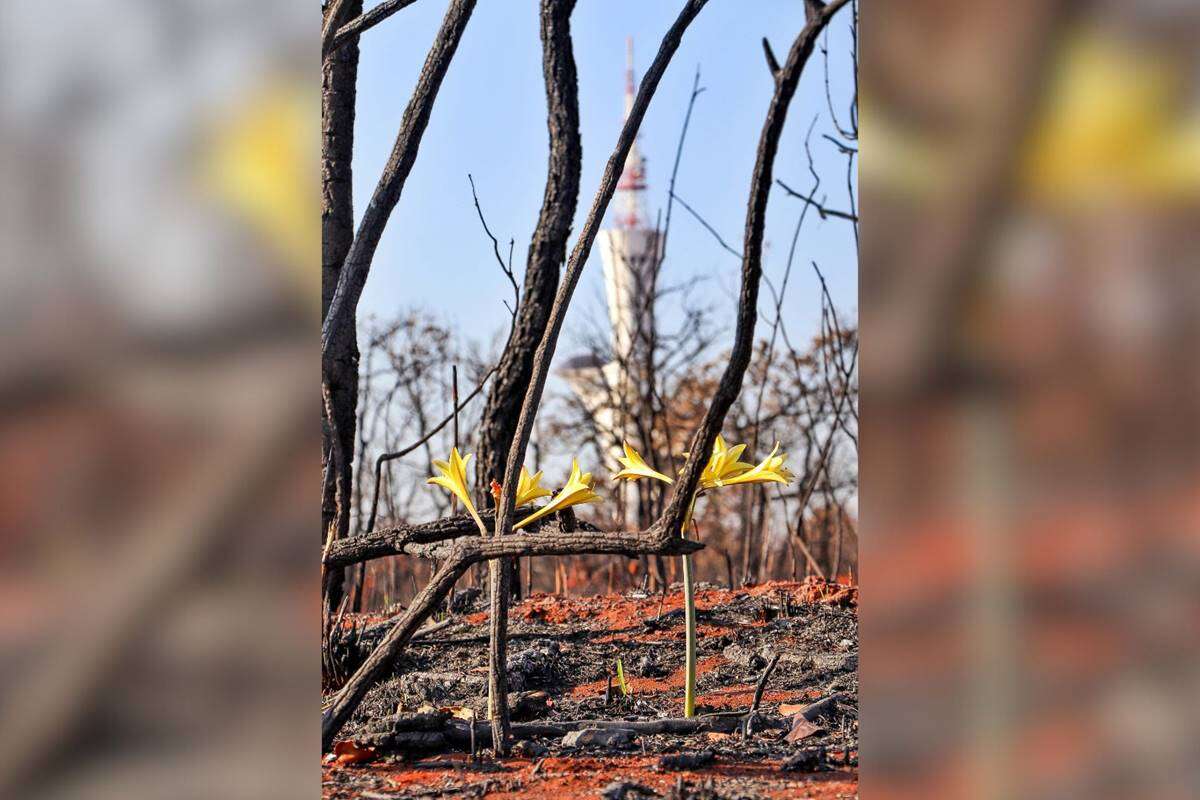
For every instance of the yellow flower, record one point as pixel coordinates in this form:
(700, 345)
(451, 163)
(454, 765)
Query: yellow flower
(636, 467)
(453, 478)
(578, 490)
(723, 465)
(770, 470)
(528, 489)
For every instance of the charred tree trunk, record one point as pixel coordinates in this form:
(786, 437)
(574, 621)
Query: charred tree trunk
(562, 299)
(343, 282)
(339, 75)
(547, 251)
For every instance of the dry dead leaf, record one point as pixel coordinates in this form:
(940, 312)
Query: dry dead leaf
(347, 752)
(460, 712)
(717, 736)
(802, 729)
(788, 709)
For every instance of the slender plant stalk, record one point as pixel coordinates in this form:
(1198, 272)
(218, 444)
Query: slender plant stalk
(689, 601)
(689, 604)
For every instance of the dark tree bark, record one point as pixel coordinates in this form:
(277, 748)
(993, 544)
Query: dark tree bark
(339, 346)
(353, 277)
(549, 340)
(547, 251)
(339, 75)
(427, 540)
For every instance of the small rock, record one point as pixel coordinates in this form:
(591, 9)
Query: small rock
(810, 759)
(825, 707)
(744, 657)
(649, 667)
(532, 666)
(527, 748)
(598, 737)
(835, 662)
(687, 760)
(620, 790)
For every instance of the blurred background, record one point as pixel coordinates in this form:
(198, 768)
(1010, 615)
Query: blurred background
(158, 610)
(1030, 489)
(1030, 494)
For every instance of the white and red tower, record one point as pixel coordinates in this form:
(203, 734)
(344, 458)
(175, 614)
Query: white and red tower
(629, 254)
(629, 248)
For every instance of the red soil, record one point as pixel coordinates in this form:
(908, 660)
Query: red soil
(672, 682)
(568, 778)
(621, 613)
(576, 778)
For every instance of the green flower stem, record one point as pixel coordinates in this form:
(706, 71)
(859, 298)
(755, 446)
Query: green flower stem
(689, 601)
(689, 604)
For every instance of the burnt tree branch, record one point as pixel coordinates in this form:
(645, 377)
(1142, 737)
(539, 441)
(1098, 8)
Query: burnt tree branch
(547, 248)
(562, 299)
(579, 254)
(414, 732)
(346, 259)
(333, 38)
(338, 322)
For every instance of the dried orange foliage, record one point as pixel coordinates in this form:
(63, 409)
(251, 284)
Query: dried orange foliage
(347, 752)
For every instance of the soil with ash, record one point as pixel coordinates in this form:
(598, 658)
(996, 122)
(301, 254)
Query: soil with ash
(563, 654)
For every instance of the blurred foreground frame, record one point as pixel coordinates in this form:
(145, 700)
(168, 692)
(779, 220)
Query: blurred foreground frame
(1030, 483)
(156, 380)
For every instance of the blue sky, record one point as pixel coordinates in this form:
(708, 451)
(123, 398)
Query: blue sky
(489, 121)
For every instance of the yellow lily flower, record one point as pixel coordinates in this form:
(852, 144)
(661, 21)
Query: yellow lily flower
(453, 478)
(723, 465)
(528, 488)
(636, 467)
(771, 469)
(578, 490)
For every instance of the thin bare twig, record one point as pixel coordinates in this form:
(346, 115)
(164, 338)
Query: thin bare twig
(824, 211)
(748, 724)
(505, 268)
(331, 41)
(707, 226)
(337, 327)
(401, 453)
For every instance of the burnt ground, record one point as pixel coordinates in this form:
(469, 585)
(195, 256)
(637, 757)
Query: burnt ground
(562, 660)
